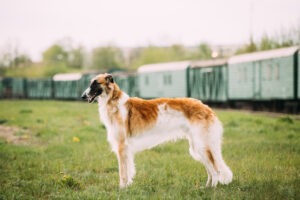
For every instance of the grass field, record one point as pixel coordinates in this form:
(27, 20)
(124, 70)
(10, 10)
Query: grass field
(66, 156)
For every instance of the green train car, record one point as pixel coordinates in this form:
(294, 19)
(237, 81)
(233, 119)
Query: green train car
(263, 76)
(208, 80)
(267, 80)
(40, 88)
(298, 61)
(67, 86)
(1, 88)
(164, 79)
(13, 87)
(204, 80)
(128, 82)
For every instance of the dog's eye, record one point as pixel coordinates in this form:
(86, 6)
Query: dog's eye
(95, 84)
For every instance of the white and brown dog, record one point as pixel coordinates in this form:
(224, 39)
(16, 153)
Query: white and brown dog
(134, 124)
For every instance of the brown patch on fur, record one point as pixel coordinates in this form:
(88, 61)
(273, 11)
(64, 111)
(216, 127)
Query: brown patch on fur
(116, 94)
(101, 79)
(122, 156)
(112, 105)
(210, 157)
(193, 109)
(142, 114)
(106, 84)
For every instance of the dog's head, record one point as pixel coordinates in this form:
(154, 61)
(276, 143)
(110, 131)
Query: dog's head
(101, 85)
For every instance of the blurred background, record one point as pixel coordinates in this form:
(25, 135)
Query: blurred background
(237, 54)
(40, 38)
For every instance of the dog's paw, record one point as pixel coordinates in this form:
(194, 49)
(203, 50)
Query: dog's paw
(125, 184)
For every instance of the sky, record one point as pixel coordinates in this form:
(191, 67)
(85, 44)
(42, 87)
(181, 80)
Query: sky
(34, 25)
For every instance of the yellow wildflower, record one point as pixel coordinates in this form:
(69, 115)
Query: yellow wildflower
(76, 139)
(25, 137)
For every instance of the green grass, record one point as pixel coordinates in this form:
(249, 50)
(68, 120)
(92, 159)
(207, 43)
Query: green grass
(262, 151)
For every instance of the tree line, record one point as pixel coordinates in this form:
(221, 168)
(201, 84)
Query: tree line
(63, 56)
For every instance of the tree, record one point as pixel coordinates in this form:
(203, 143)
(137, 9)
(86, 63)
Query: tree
(21, 60)
(12, 57)
(106, 58)
(267, 43)
(154, 54)
(55, 55)
(55, 60)
(76, 58)
(286, 38)
(204, 51)
(248, 48)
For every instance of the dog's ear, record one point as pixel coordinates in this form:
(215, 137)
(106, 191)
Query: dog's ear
(109, 79)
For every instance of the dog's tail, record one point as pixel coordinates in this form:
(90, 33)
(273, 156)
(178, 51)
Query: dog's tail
(224, 173)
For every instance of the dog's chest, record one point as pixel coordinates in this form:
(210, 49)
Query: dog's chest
(112, 115)
(113, 121)
(105, 117)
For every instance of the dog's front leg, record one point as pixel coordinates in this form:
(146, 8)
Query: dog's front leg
(123, 164)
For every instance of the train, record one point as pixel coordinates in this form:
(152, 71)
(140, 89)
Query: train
(265, 81)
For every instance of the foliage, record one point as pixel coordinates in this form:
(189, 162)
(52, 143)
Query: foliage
(34, 71)
(267, 43)
(55, 55)
(76, 58)
(60, 59)
(108, 57)
(63, 56)
(204, 52)
(248, 48)
(153, 54)
(177, 52)
(286, 38)
(11, 57)
(262, 151)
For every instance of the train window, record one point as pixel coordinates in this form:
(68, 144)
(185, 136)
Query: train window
(266, 73)
(269, 72)
(245, 74)
(242, 74)
(146, 80)
(239, 74)
(276, 72)
(167, 79)
(170, 79)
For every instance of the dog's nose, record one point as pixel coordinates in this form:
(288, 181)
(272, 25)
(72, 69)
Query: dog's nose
(84, 96)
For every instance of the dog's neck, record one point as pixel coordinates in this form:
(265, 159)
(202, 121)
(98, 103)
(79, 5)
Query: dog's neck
(111, 107)
(112, 97)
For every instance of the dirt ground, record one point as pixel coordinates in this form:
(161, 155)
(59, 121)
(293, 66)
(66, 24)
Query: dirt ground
(9, 133)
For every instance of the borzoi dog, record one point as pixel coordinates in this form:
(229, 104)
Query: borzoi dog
(134, 124)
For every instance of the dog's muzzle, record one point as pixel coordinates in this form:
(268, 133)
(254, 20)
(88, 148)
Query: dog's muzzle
(85, 95)
(89, 95)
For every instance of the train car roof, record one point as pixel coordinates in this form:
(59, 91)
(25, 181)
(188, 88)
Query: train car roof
(168, 66)
(262, 55)
(208, 63)
(67, 77)
(124, 73)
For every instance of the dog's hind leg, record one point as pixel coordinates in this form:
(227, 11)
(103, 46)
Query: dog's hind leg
(198, 150)
(214, 152)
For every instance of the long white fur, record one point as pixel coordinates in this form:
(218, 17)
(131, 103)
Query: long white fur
(170, 125)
